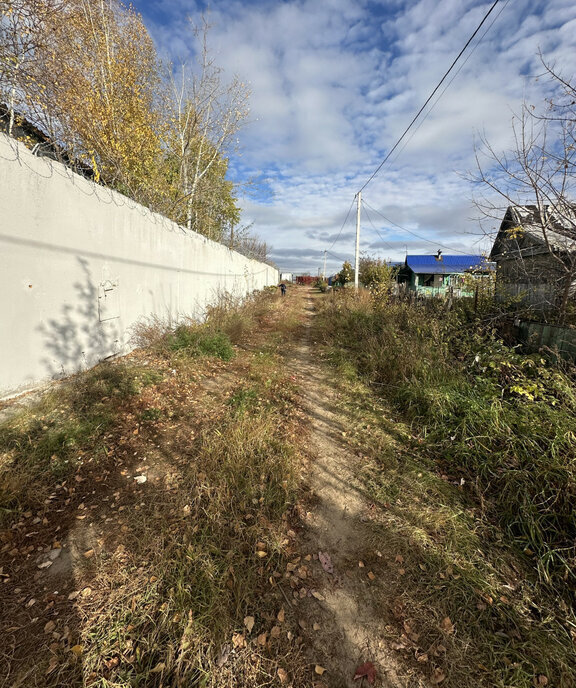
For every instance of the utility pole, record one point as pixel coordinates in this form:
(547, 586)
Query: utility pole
(324, 270)
(357, 261)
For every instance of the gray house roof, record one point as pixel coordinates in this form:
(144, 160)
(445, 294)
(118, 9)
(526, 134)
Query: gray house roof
(537, 228)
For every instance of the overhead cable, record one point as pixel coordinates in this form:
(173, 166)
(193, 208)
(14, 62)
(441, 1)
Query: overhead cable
(418, 236)
(343, 224)
(374, 227)
(438, 98)
(431, 95)
(344, 260)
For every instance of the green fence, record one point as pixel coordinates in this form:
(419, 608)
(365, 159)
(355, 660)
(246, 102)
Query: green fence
(536, 335)
(442, 292)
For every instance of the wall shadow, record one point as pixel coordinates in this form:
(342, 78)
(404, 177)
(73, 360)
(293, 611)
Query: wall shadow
(79, 338)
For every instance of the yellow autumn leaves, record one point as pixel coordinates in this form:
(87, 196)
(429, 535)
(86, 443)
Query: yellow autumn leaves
(87, 73)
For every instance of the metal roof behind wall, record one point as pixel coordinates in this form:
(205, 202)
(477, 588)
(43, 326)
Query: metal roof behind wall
(430, 265)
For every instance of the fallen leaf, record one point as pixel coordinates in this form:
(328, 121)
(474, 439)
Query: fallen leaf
(399, 558)
(158, 668)
(238, 640)
(249, 623)
(282, 675)
(318, 596)
(366, 671)
(319, 670)
(49, 627)
(447, 625)
(414, 637)
(89, 553)
(275, 632)
(540, 680)
(261, 553)
(52, 665)
(437, 675)
(77, 650)
(398, 646)
(361, 564)
(371, 576)
(224, 654)
(316, 626)
(326, 562)
(262, 638)
(281, 615)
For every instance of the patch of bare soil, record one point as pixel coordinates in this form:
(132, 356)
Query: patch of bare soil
(346, 630)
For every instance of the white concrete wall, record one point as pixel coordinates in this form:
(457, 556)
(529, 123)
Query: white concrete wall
(80, 265)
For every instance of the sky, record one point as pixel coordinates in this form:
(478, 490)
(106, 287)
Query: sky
(334, 83)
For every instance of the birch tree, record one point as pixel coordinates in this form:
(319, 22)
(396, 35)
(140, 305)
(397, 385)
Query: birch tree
(23, 32)
(206, 115)
(101, 71)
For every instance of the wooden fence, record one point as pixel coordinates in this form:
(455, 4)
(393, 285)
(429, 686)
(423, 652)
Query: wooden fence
(534, 336)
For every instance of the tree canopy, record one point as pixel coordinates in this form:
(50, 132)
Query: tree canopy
(87, 74)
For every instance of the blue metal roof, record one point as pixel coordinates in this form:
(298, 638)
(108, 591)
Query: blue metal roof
(447, 265)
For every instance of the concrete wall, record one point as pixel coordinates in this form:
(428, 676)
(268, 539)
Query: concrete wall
(80, 265)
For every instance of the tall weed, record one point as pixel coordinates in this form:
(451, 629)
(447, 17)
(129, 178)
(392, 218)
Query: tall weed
(499, 420)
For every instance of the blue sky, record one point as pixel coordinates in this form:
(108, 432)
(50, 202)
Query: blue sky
(333, 85)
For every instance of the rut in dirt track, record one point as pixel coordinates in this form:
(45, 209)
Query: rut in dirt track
(351, 631)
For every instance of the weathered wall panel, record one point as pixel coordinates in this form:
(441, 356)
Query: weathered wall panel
(80, 265)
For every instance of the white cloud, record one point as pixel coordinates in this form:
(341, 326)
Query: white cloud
(335, 83)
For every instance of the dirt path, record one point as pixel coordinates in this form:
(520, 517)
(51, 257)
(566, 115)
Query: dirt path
(338, 603)
(350, 631)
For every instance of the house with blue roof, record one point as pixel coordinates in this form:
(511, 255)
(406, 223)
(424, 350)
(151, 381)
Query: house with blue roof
(440, 275)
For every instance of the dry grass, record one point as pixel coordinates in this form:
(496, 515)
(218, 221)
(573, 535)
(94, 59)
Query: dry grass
(175, 564)
(461, 597)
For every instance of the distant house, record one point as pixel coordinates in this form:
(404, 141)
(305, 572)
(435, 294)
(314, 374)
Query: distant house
(535, 254)
(305, 279)
(440, 275)
(286, 277)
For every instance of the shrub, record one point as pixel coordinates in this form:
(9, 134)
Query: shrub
(199, 341)
(502, 420)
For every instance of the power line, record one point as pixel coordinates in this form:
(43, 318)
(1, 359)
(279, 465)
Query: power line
(418, 236)
(431, 95)
(337, 257)
(450, 82)
(343, 224)
(374, 228)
